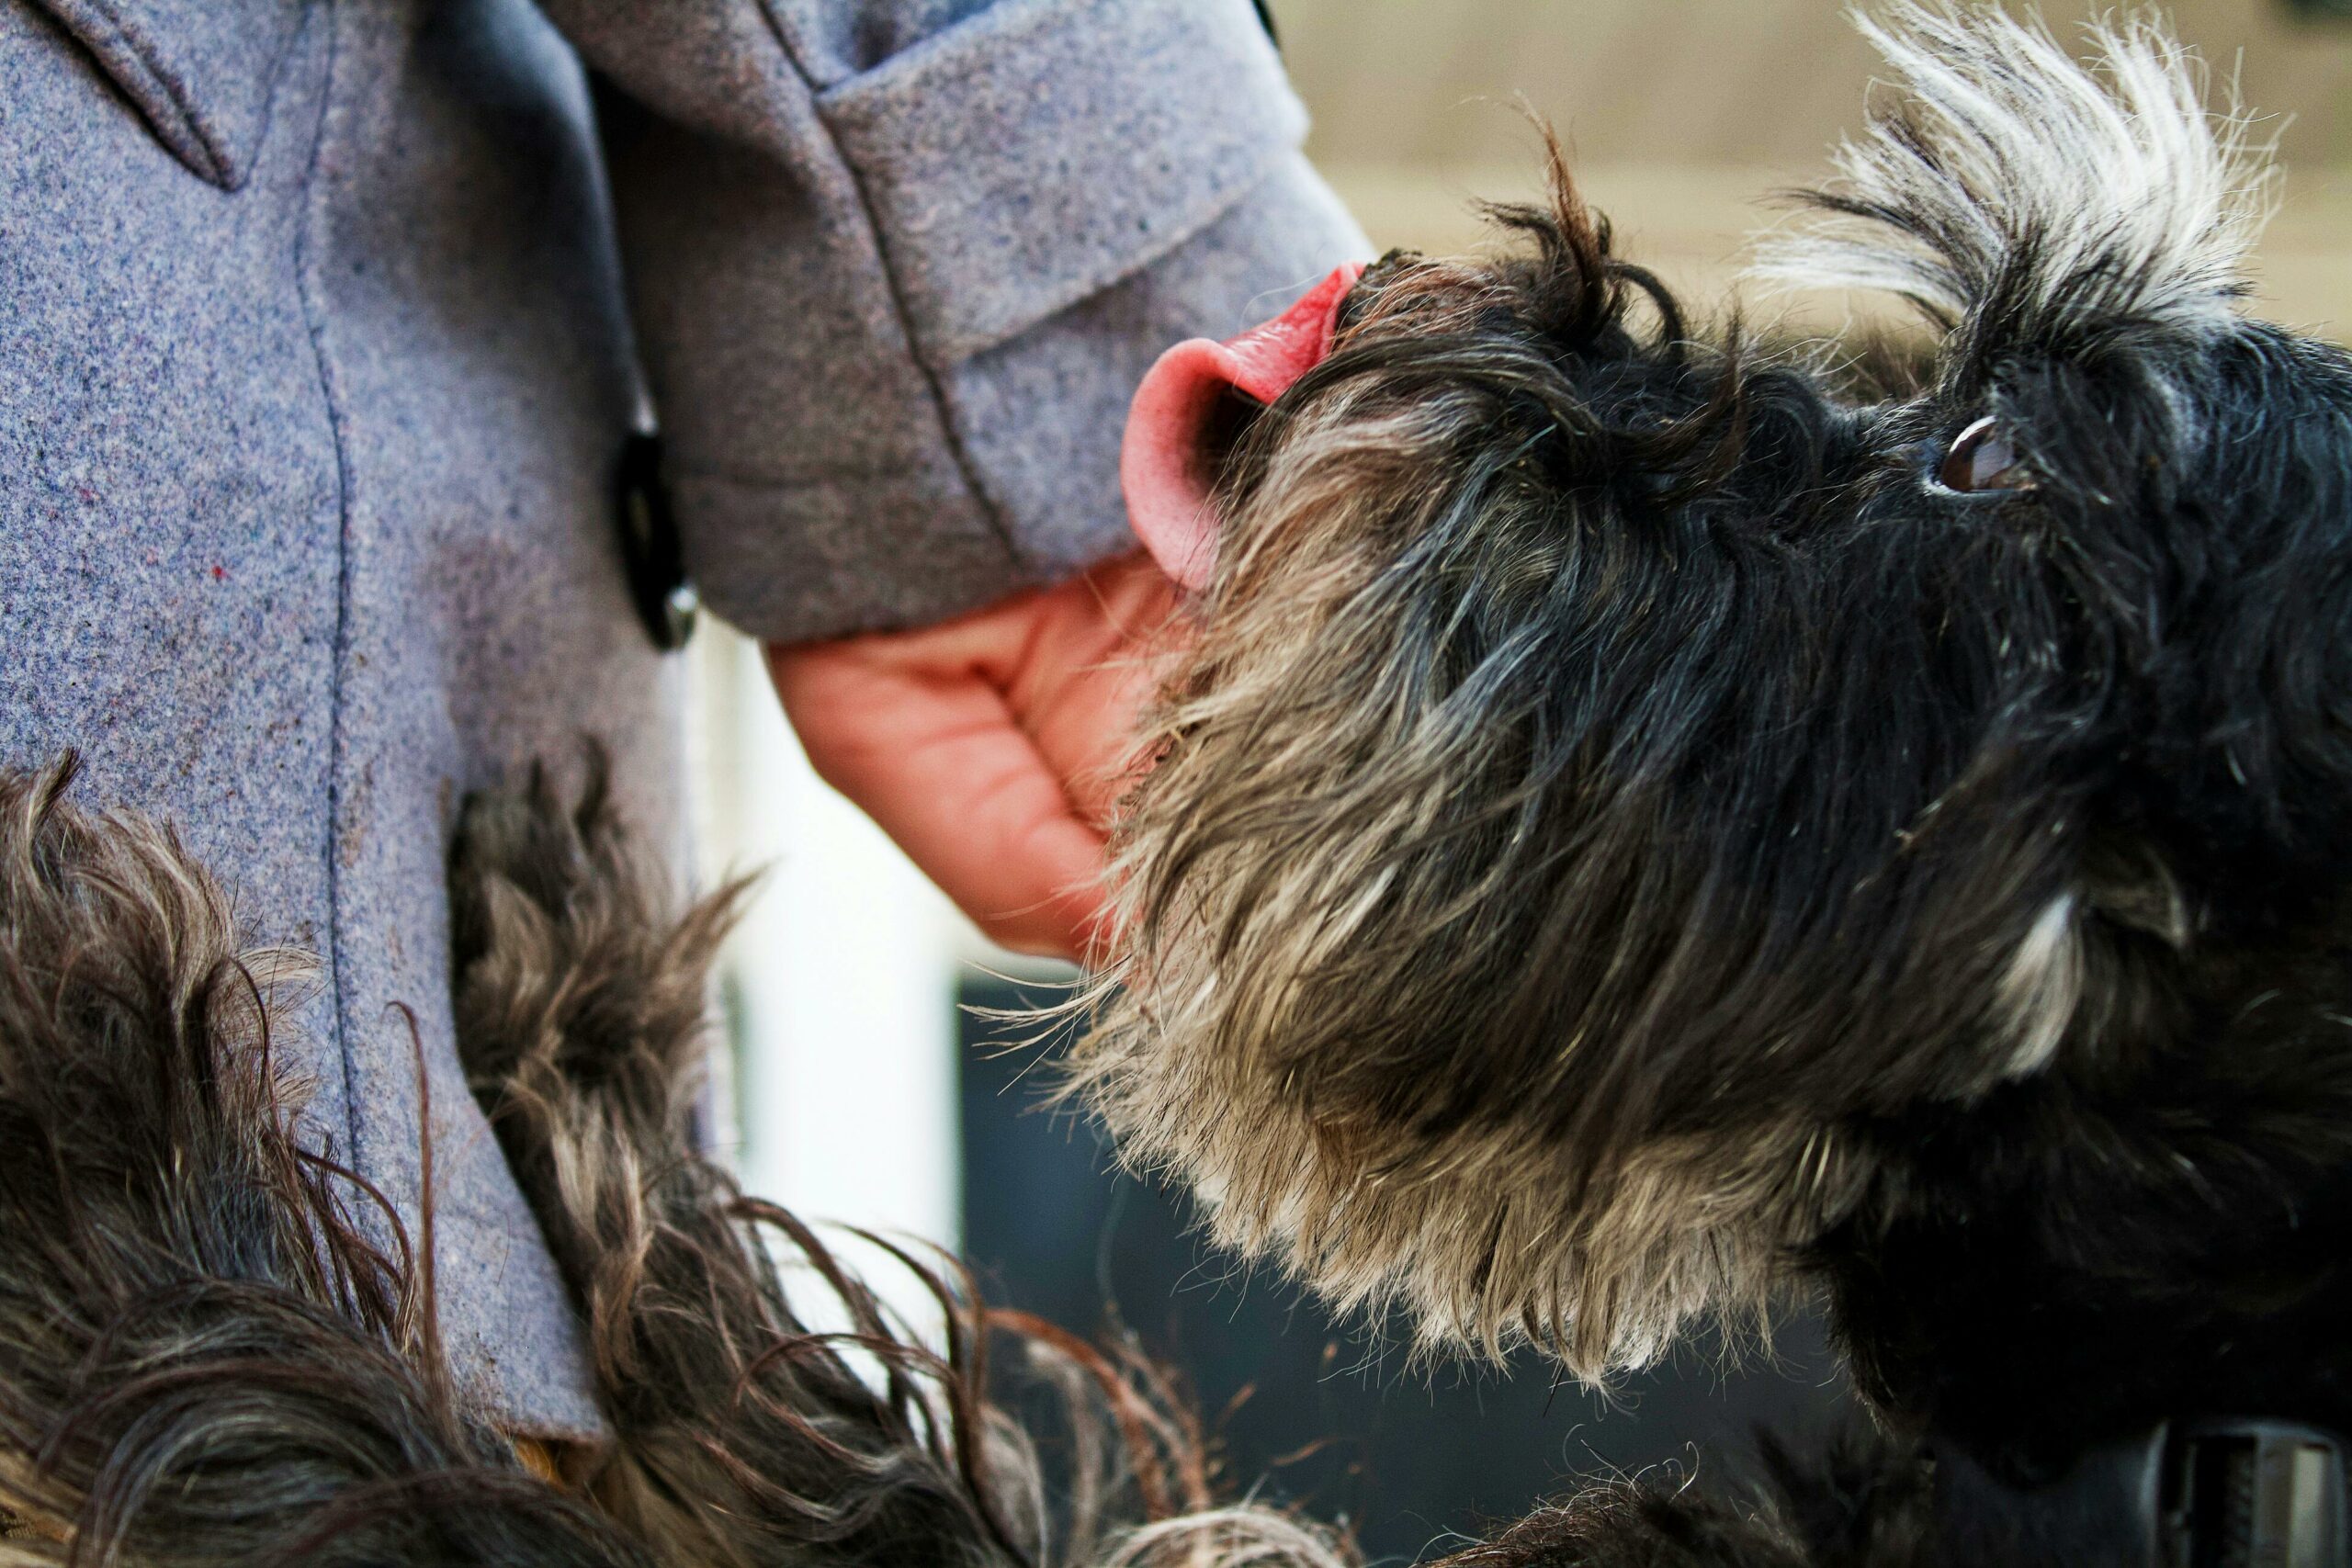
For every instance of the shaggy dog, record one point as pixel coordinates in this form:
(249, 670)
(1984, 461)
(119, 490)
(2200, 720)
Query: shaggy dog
(1650, 826)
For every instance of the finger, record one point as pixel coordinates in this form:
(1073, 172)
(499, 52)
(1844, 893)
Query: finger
(1087, 670)
(1088, 735)
(940, 766)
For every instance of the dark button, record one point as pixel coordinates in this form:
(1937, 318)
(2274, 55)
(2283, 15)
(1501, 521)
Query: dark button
(666, 600)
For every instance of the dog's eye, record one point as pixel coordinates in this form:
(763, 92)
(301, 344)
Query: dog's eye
(1980, 458)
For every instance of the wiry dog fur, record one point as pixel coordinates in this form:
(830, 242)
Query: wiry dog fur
(1630, 839)
(207, 1356)
(742, 1436)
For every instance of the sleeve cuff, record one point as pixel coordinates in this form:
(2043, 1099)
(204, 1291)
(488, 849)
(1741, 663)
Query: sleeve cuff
(1026, 159)
(863, 553)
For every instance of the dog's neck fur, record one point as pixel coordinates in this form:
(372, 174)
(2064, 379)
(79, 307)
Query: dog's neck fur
(2160, 1229)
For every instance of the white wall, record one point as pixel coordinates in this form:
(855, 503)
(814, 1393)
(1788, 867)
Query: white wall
(840, 983)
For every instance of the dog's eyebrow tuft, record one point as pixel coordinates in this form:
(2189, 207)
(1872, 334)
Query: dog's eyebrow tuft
(2042, 987)
(2008, 171)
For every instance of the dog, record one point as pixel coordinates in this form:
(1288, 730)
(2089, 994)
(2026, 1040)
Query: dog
(1650, 825)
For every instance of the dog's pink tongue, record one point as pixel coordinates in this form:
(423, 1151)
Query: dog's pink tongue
(1268, 358)
(1163, 467)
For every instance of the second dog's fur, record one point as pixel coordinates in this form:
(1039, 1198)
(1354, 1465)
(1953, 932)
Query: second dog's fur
(217, 1345)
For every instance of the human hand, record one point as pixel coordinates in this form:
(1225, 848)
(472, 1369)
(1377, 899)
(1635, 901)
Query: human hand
(991, 748)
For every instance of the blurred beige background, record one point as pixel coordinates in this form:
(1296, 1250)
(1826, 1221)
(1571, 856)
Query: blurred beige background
(1680, 114)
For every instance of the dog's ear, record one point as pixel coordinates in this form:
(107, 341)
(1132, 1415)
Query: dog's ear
(1167, 465)
(2005, 176)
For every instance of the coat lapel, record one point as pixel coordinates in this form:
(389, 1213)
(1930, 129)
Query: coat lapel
(200, 72)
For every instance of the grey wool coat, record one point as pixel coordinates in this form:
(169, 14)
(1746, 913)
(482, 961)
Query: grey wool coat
(322, 323)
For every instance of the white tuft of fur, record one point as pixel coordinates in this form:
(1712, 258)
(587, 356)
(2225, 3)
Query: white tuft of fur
(1232, 1537)
(2010, 168)
(2042, 988)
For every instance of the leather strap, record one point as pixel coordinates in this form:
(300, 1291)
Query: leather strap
(2235, 1493)
(2253, 1495)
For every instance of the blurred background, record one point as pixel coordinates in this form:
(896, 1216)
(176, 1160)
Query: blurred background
(867, 1090)
(1680, 114)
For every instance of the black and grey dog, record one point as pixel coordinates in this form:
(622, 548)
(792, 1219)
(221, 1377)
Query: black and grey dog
(1650, 826)
(218, 1345)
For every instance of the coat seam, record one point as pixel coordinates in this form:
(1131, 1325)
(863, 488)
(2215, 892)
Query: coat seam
(307, 239)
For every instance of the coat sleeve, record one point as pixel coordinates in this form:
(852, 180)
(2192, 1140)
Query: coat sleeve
(897, 265)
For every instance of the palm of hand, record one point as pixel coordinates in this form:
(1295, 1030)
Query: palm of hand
(991, 748)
